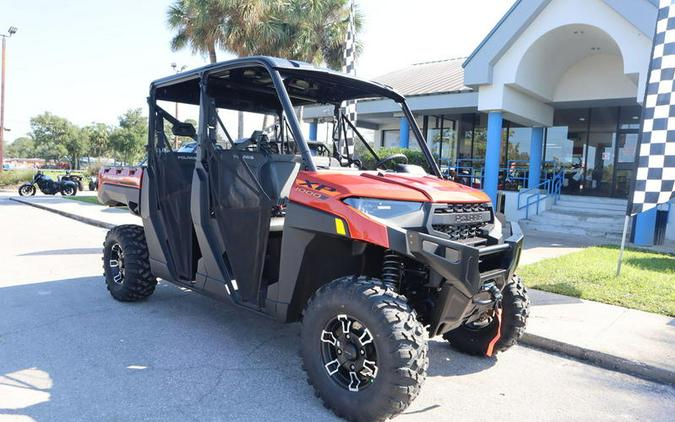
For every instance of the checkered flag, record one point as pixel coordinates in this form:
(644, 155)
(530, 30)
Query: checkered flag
(348, 108)
(655, 161)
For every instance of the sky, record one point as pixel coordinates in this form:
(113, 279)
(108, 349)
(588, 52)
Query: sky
(90, 60)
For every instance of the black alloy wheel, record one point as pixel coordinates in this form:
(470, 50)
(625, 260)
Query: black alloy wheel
(348, 353)
(116, 264)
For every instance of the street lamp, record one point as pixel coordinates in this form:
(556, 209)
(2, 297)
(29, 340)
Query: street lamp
(11, 31)
(176, 69)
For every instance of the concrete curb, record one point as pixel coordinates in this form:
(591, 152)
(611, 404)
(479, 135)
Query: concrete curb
(76, 217)
(600, 359)
(593, 357)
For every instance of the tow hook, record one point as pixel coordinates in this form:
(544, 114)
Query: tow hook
(496, 295)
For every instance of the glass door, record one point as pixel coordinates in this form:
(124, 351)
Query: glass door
(599, 164)
(625, 161)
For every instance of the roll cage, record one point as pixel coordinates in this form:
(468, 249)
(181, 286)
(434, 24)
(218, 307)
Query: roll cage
(272, 86)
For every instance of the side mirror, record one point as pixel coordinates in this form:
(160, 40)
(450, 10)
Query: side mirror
(184, 129)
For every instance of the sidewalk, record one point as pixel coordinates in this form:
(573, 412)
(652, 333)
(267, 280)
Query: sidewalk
(634, 342)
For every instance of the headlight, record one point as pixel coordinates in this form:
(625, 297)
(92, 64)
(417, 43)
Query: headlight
(382, 208)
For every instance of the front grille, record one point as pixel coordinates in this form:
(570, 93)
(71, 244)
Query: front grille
(460, 231)
(462, 208)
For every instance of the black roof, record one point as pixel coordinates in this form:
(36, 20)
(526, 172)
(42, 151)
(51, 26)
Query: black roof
(289, 67)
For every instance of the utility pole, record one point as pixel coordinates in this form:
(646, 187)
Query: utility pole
(176, 69)
(12, 30)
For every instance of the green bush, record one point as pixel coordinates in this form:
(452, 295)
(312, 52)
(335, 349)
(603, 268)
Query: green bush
(93, 169)
(15, 177)
(414, 157)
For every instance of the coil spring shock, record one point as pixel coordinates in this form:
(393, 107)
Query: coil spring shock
(392, 268)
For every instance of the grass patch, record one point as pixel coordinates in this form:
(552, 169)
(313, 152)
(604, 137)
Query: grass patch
(88, 199)
(647, 280)
(15, 177)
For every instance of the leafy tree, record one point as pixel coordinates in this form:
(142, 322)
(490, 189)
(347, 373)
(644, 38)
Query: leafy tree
(76, 145)
(98, 139)
(128, 140)
(51, 135)
(22, 147)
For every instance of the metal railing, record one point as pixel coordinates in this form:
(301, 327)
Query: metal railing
(535, 195)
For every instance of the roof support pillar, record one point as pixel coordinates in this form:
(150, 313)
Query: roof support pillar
(492, 154)
(404, 133)
(645, 225)
(536, 144)
(313, 129)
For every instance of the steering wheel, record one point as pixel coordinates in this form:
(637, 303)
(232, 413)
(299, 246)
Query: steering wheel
(395, 158)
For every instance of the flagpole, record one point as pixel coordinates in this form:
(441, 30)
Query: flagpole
(623, 244)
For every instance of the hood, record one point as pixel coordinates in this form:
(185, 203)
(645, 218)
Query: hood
(395, 186)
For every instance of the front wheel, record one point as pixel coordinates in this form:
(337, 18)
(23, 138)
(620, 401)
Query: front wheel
(126, 265)
(27, 190)
(363, 349)
(478, 337)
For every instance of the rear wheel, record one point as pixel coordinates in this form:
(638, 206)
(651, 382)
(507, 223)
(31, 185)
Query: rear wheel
(69, 191)
(126, 266)
(363, 349)
(475, 338)
(27, 190)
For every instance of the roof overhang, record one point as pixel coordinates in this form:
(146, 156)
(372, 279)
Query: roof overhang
(478, 66)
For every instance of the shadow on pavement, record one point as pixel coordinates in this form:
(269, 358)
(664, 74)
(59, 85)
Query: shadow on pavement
(175, 353)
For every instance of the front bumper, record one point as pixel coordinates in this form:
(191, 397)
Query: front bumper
(460, 273)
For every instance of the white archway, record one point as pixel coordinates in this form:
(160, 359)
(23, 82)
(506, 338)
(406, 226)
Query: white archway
(574, 62)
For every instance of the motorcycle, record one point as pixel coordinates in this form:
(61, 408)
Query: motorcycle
(48, 186)
(76, 178)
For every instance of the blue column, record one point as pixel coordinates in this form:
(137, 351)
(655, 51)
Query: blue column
(645, 225)
(536, 144)
(313, 128)
(494, 141)
(404, 133)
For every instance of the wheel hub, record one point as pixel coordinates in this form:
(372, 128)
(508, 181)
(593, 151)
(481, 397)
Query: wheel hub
(348, 353)
(116, 263)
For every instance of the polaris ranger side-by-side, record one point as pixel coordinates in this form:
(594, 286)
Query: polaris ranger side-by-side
(373, 261)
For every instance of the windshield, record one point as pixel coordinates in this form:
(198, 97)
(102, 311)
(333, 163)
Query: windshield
(331, 99)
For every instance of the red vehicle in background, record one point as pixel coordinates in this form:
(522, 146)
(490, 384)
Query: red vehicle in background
(120, 185)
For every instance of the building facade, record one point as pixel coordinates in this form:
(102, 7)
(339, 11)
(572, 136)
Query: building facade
(554, 89)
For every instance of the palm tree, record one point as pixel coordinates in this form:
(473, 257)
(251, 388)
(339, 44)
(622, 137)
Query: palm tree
(309, 30)
(312, 31)
(198, 24)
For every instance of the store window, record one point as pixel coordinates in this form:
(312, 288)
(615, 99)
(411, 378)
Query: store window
(517, 156)
(465, 126)
(442, 140)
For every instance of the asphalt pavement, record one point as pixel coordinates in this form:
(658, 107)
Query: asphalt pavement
(68, 351)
